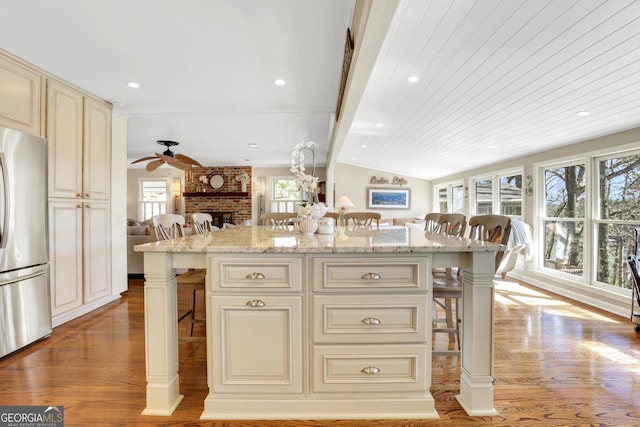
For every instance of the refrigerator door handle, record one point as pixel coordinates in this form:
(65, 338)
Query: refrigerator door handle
(4, 200)
(21, 278)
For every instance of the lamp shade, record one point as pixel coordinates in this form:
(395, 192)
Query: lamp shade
(344, 202)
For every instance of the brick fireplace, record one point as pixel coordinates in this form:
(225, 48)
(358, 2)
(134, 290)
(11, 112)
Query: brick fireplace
(228, 203)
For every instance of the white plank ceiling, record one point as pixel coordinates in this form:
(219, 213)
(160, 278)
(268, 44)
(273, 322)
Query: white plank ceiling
(498, 80)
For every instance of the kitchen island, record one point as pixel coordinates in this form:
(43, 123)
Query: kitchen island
(318, 326)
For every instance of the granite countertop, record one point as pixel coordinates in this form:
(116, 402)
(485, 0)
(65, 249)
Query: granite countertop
(266, 239)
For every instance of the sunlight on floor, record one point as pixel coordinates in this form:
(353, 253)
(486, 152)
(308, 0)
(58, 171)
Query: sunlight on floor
(628, 360)
(513, 294)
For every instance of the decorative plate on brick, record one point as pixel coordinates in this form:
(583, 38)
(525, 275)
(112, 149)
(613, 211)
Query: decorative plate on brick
(216, 181)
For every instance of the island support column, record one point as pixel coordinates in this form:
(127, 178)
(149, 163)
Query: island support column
(161, 334)
(476, 381)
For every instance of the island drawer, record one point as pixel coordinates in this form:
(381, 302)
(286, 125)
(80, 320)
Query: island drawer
(381, 368)
(370, 273)
(370, 318)
(237, 273)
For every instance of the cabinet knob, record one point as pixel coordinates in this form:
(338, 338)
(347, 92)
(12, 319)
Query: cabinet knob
(79, 195)
(87, 195)
(370, 370)
(87, 206)
(371, 321)
(255, 276)
(371, 276)
(255, 303)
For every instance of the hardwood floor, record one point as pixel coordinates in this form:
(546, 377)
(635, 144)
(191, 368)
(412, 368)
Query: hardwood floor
(556, 364)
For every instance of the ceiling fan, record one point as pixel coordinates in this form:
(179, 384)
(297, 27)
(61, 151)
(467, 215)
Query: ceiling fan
(179, 161)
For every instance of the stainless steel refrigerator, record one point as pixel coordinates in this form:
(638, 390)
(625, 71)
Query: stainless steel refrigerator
(25, 301)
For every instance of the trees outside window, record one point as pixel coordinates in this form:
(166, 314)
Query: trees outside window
(284, 194)
(589, 234)
(564, 218)
(152, 198)
(617, 215)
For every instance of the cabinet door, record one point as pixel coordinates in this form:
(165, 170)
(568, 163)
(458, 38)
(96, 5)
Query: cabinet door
(97, 251)
(65, 242)
(64, 131)
(19, 96)
(97, 150)
(257, 344)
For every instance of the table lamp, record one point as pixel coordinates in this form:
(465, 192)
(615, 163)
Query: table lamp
(343, 203)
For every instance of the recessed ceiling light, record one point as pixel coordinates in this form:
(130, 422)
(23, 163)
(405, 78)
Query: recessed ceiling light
(354, 158)
(280, 82)
(379, 124)
(363, 146)
(134, 85)
(491, 146)
(253, 145)
(583, 113)
(413, 79)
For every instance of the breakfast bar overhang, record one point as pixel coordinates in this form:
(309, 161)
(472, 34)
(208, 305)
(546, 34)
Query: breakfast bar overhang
(318, 326)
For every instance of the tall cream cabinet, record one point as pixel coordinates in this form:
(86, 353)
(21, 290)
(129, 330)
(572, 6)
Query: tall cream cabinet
(79, 132)
(20, 95)
(78, 128)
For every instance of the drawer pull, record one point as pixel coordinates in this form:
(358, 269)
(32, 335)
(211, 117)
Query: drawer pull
(371, 276)
(255, 276)
(255, 303)
(370, 370)
(371, 321)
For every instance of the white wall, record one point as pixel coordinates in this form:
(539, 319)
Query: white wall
(354, 181)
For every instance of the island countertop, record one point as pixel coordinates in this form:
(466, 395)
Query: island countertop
(267, 239)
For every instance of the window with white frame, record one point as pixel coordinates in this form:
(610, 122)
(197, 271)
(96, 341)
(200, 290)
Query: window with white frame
(499, 193)
(450, 197)
(617, 179)
(152, 198)
(284, 194)
(591, 208)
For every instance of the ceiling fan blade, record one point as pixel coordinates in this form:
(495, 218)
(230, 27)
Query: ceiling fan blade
(167, 159)
(180, 165)
(187, 159)
(143, 159)
(151, 166)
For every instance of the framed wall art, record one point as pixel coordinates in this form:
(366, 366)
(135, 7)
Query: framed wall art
(383, 198)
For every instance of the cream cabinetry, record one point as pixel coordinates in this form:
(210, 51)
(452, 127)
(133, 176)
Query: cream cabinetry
(370, 324)
(256, 309)
(20, 95)
(79, 133)
(318, 335)
(80, 254)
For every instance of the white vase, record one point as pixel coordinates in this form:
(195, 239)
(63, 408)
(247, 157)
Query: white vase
(308, 225)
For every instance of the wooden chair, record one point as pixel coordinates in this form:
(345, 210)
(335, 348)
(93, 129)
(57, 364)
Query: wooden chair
(448, 287)
(202, 223)
(278, 219)
(363, 218)
(334, 215)
(170, 226)
(431, 221)
(453, 224)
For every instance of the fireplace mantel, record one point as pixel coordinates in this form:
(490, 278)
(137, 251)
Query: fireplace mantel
(218, 194)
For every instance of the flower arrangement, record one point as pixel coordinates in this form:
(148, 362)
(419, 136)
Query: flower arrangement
(242, 177)
(310, 207)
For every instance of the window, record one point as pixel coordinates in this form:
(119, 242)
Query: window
(564, 218)
(450, 198)
(618, 180)
(500, 193)
(152, 198)
(284, 194)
